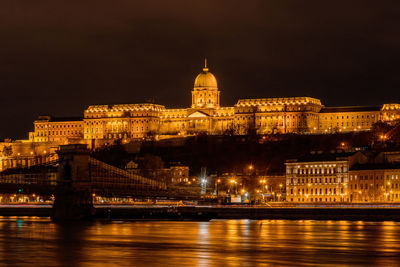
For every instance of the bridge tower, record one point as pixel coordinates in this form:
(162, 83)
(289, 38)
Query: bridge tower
(73, 196)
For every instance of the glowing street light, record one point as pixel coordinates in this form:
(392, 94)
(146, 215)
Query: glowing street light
(216, 185)
(233, 182)
(203, 185)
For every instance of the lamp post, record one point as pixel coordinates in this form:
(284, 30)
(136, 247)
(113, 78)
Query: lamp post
(216, 186)
(244, 194)
(262, 182)
(203, 185)
(233, 182)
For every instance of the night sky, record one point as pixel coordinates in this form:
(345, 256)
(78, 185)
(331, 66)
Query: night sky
(58, 57)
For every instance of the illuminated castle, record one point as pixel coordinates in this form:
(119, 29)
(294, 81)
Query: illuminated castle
(104, 124)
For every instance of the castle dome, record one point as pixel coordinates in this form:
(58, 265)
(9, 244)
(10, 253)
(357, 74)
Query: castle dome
(205, 79)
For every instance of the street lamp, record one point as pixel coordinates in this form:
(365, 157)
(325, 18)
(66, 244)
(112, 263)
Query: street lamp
(262, 182)
(216, 186)
(233, 182)
(203, 185)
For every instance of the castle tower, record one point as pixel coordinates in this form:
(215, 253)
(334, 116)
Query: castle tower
(205, 93)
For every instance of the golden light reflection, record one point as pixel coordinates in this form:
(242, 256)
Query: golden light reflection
(214, 243)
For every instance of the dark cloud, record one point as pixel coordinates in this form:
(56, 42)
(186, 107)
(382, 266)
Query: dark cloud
(57, 58)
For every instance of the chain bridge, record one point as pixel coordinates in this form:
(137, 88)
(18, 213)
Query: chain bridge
(75, 177)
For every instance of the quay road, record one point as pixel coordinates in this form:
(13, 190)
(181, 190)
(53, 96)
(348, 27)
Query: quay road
(365, 212)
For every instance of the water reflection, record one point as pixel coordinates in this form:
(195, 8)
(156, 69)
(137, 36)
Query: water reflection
(39, 242)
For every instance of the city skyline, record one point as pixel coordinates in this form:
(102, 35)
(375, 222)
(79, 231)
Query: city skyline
(199, 133)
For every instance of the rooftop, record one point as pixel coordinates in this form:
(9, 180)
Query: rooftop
(320, 157)
(279, 101)
(60, 119)
(350, 109)
(375, 166)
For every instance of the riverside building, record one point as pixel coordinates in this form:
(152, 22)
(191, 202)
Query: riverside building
(344, 177)
(320, 177)
(375, 183)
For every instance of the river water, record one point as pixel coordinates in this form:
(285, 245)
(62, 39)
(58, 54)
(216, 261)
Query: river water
(39, 242)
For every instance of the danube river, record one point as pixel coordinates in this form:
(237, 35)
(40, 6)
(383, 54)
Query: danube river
(39, 242)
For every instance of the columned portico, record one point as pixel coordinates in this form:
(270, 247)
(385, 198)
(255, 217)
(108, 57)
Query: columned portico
(199, 121)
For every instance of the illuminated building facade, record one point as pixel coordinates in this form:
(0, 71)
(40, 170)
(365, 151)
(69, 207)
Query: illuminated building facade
(104, 124)
(320, 178)
(377, 182)
(178, 174)
(59, 130)
(344, 177)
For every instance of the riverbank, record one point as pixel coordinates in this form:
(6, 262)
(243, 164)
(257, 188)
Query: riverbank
(256, 213)
(201, 213)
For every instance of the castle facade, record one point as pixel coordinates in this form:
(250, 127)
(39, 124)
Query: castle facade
(102, 124)
(205, 115)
